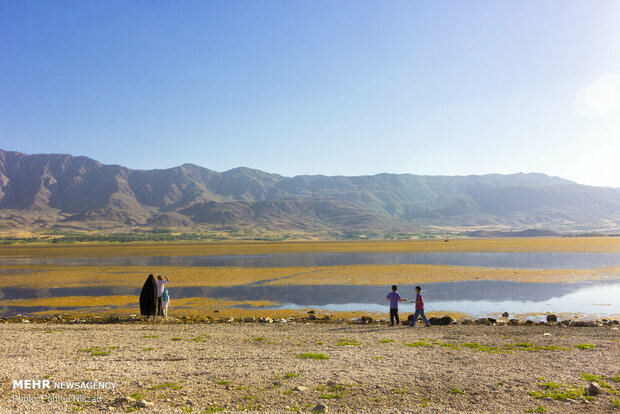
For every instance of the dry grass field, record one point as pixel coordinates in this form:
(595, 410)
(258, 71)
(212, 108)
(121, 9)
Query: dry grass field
(558, 244)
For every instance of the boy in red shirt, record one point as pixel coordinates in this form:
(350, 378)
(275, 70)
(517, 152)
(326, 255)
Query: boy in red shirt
(419, 308)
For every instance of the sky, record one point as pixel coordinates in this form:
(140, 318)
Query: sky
(318, 87)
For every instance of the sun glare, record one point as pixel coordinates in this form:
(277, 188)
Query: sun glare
(600, 97)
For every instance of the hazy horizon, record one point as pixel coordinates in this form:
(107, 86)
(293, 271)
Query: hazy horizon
(291, 176)
(347, 88)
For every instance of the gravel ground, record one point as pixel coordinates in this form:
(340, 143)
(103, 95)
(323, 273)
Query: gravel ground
(256, 367)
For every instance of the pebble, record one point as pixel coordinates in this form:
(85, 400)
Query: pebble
(144, 403)
(594, 389)
(319, 408)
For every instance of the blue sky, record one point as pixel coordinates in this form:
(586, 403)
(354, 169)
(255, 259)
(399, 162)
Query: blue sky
(318, 87)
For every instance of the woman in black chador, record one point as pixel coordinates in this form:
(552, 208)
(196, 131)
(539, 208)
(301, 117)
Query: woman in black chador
(148, 297)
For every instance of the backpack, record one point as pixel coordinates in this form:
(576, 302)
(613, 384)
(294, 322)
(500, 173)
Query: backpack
(164, 296)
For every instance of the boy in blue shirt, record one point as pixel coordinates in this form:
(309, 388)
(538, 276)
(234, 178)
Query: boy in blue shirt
(394, 298)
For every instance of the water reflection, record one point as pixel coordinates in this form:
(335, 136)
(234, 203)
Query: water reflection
(536, 260)
(589, 300)
(479, 297)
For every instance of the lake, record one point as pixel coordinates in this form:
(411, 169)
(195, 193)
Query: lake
(476, 297)
(537, 260)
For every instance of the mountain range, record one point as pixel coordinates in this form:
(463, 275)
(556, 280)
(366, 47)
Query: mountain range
(57, 191)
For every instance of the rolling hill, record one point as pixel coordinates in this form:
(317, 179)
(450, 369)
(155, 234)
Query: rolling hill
(59, 191)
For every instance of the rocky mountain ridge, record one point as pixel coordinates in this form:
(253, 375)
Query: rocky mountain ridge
(63, 191)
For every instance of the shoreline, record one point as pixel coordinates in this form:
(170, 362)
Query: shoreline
(316, 317)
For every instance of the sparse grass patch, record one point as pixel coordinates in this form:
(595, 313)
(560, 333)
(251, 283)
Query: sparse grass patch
(349, 342)
(137, 396)
(377, 357)
(169, 385)
(527, 346)
(198, 339)
(320, 342)
(400, 391)
(292, 374)
(551, 385)
(223, 382)
(150, 348)
(483, 348)
(311, 355)
(259, 339)
(615, 403)
(616, 378)
(176, 338)
(293, 408)
(386, 341)
(585, 346)
(417, 343)
(331, 396)
(559, 392)
(539, 409)
(448, 345)
(550, 348)
(455, 391)
(334, 391)
(151, 336)
(98, 351)
(424, 403)
(600, 380)
(213, 409)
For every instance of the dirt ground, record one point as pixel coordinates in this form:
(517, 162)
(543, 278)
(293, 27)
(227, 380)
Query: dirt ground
(231, 367)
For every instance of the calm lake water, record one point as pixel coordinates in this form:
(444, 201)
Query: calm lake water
(538, 260)
(478, 298)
